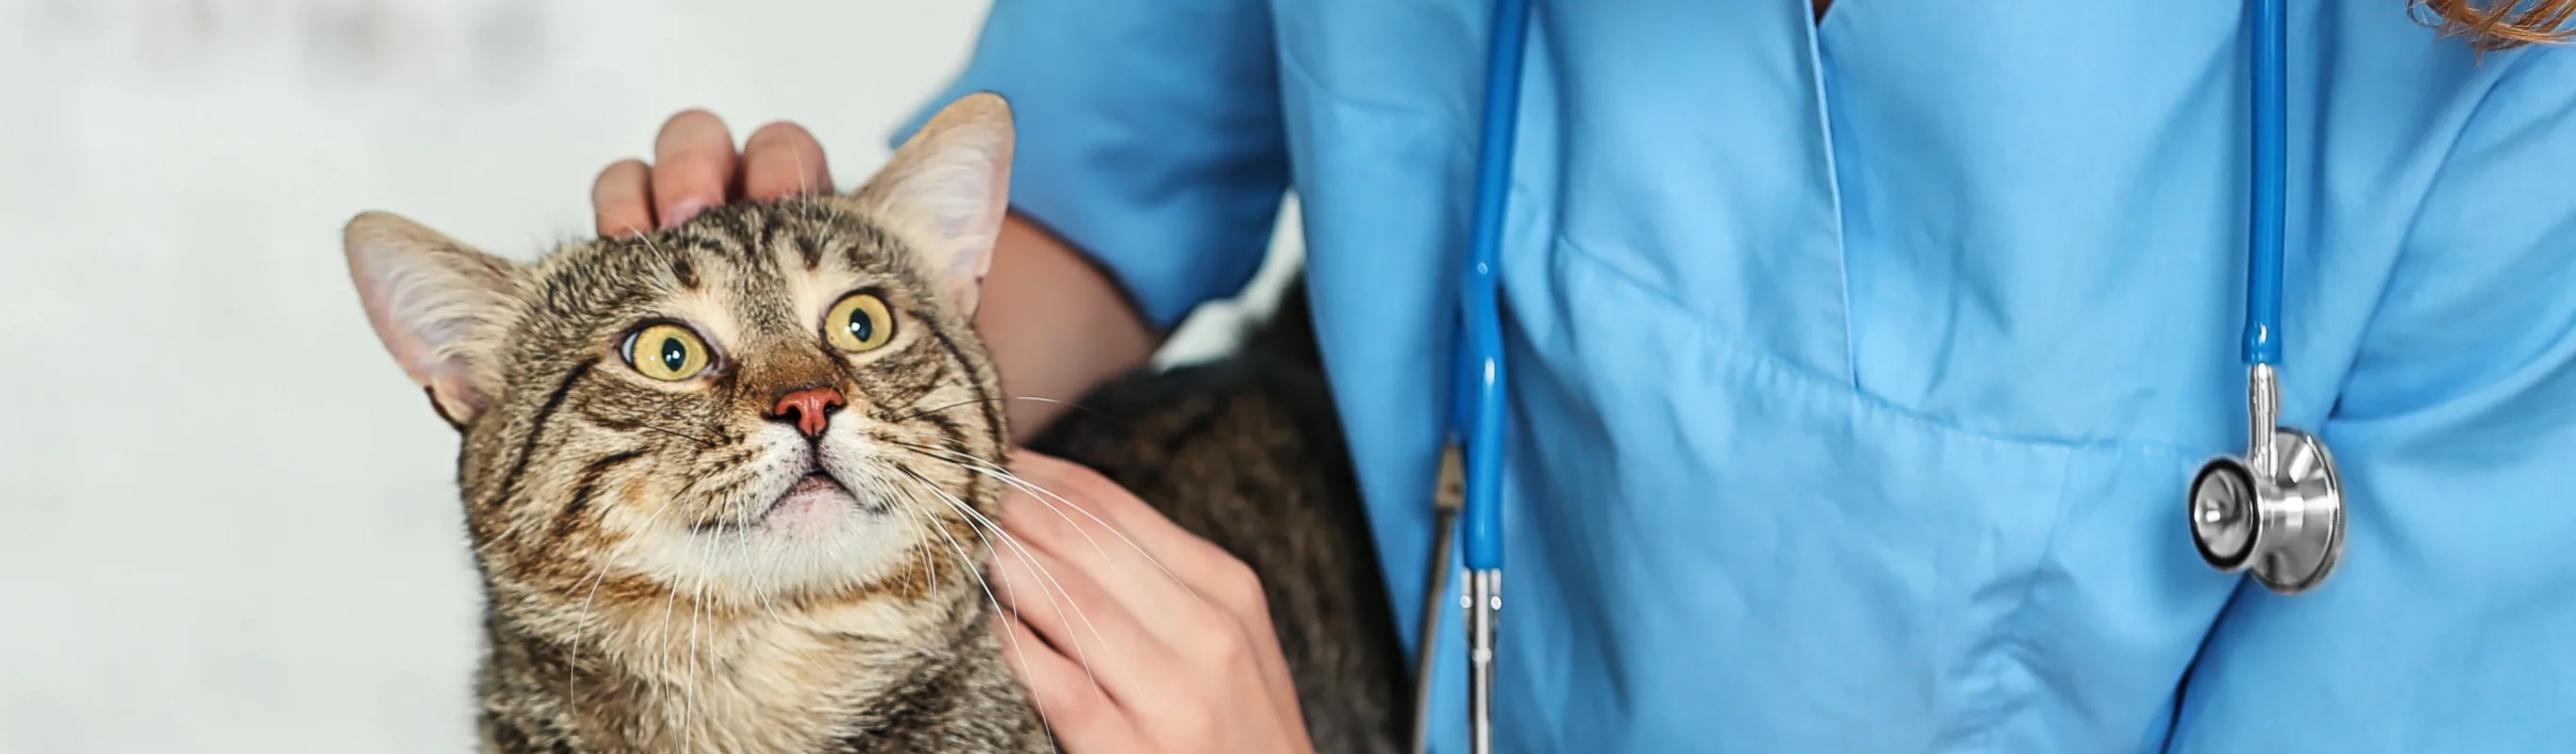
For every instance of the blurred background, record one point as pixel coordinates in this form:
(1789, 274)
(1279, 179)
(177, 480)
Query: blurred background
(227, 522)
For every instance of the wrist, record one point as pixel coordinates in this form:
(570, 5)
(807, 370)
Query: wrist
(1057, 325)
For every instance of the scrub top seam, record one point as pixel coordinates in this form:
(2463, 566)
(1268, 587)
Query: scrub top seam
(1823, 103)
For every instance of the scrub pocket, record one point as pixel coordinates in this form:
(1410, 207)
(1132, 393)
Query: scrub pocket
(1713, 548)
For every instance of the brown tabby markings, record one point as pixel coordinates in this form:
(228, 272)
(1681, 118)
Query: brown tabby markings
(1244, 452)
(780, 551)
(590, 655)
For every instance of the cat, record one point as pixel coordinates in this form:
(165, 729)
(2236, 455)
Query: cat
(730, 485)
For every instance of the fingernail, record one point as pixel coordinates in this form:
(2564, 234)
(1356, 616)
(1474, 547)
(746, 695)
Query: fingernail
(680, 213)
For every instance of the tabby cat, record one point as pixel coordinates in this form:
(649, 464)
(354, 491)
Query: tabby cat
(729, 485)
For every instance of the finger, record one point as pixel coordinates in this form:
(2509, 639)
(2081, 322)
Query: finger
(782, 160)
(621, 201)
(693, 164)
(1157, 535)
(1081, 714)
(1201, 575)
(1091, 502)
(1068, 608)
(1054, 523)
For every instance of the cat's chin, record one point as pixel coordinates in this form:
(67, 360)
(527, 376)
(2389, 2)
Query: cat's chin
(815, 534)
(817, 503)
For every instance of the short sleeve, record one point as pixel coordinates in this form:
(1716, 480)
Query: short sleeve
(1149, 136)
(2451, 625)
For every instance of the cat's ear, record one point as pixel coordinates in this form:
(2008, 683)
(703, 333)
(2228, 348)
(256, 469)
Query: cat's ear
(949, 186)
(438, 305)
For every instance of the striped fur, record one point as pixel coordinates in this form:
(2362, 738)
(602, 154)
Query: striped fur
(637, 601)
(647, 594)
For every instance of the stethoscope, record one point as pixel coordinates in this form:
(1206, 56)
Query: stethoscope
(2277, 510)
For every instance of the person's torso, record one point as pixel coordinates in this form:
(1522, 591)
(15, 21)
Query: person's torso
(1858, 366)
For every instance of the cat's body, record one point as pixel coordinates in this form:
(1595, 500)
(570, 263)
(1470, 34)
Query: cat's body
(730, 484)
(1247, 452)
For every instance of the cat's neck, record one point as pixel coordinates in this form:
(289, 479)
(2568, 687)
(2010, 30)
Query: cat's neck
(755, 683)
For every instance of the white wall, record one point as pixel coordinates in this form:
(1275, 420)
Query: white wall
(227, 523)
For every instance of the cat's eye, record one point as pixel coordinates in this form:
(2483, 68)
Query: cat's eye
(667, 352)
(859, 323)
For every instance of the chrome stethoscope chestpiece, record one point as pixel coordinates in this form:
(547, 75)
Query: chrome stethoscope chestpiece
(2278, 511)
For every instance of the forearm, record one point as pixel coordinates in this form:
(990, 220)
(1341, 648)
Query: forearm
(1056, 324)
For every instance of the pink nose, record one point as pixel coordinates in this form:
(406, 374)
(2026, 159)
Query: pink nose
(811, 409)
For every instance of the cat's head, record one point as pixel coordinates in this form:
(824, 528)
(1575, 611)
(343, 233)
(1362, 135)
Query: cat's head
(773, 405)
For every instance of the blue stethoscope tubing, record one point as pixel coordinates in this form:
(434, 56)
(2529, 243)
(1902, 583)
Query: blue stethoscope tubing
(2285, 504)
(1480, 296)
(2271, 155)
(1477, 423)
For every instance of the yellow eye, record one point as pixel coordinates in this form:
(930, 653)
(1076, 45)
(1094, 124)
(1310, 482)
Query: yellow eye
(667, 352)
(859, 323)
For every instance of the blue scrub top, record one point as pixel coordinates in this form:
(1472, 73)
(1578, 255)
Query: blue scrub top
(1861, 365)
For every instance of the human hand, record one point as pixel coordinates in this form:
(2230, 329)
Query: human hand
(695, 168)
(1132, 634)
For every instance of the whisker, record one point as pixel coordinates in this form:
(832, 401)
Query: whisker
(878, 489)
(640, 235)
(572, 658)
(1041, 494)
(987, 468)
(741, 544)
(662, 637)
(1047, 578)
(699, 662)
(973, 401)
(804, 184)
(663, 647)
(572, 661)
(689, 698)
(1049, 587)
(1014, 641)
